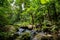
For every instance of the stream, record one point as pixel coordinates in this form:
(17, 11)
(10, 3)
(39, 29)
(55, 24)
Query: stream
(35, 35)
(32, 33)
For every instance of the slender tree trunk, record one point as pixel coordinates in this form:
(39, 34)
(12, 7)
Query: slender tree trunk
(52, 14)
(54, 10)
(48, 15)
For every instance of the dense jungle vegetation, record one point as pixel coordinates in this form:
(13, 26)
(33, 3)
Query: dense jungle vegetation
(29, 19)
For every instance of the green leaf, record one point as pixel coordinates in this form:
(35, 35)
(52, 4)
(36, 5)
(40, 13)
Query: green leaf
(44, 1)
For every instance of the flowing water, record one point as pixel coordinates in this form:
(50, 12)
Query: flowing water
(32, 33)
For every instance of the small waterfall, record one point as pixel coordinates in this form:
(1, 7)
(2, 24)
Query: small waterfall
(12, 4)
(23, 6)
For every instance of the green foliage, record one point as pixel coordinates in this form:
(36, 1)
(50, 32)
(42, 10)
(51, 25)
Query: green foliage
(3, 20)
(26, 12)
(25, 36)
(44, 1)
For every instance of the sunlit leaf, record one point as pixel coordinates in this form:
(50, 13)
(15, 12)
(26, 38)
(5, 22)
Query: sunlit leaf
(44, 1)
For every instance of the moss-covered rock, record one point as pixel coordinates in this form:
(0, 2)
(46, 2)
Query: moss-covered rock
(24, 36)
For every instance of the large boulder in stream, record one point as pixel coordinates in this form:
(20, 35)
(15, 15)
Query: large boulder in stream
(42, 36)
(24, 36)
